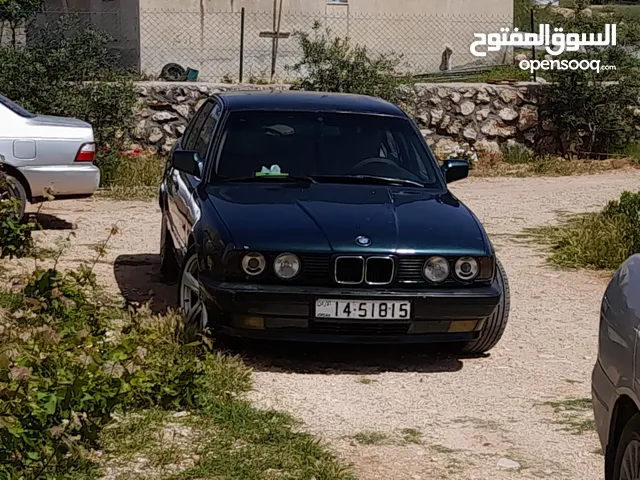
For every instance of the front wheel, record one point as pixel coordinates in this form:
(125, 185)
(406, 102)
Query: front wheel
(192, 305)
(495, 325)
(627, 463)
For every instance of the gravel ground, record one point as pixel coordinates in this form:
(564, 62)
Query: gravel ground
(435, 416)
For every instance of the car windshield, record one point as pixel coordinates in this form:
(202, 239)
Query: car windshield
(316, 145)
(15, 108)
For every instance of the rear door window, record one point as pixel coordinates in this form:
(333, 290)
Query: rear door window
(15, 108)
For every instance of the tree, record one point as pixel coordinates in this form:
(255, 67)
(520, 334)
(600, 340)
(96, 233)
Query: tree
(17, 13)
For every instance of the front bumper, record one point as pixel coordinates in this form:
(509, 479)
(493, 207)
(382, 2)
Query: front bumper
(64, 180)
(287, 313)
(602, 392)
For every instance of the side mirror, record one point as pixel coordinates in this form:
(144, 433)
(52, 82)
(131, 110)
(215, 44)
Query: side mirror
(455, 170)
(187, 162)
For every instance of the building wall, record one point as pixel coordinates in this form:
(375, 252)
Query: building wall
(120, 18)
(205, 34)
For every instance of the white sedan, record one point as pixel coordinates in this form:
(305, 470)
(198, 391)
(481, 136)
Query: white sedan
(43, 154)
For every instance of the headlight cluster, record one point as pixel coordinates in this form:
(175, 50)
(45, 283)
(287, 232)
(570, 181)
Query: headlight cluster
(437, 269)
(286, 265)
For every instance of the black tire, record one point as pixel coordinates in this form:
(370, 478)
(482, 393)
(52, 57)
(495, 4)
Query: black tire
(168, 262)
(630, 434)
(172, 72)
(496, 324)
(11, 187)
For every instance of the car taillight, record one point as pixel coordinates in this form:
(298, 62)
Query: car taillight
(87, 153)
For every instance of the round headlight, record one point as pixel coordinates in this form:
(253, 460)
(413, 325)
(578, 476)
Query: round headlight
(286, 266)
(436, 269)
(467, 268)
(253, 263)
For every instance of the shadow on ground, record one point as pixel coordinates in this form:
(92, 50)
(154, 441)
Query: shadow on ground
(339, 359)
(46, 221)
(140, 281)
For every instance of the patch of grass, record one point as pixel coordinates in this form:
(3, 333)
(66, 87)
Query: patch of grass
(570, 404)
(134, 177)
(366, 381)
(516, 154)
(601, 240)
(238, 441)
(496, 166)
(411, 435)
(576, 415)
(370, 437)
(572, 382)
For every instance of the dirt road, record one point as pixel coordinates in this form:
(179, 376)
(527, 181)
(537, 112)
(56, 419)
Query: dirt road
(404, 413)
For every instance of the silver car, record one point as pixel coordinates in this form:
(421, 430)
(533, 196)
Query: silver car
(616, 375)
(41, 153)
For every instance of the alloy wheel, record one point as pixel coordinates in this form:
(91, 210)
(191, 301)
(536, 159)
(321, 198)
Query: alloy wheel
(191, 303)
(630, 467)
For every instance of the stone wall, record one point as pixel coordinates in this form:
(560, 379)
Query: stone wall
(478, 116)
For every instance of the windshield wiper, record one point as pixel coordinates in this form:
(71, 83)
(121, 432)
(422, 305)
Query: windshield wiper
(366, 179)
(265, 178)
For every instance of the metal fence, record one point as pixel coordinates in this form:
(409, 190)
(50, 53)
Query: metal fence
(228, 45)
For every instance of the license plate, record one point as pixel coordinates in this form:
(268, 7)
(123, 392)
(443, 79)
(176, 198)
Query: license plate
(363, 310)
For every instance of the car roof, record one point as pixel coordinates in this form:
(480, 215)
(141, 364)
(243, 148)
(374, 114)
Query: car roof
(308, 102)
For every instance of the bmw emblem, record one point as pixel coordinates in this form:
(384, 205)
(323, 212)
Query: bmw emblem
(363, 241)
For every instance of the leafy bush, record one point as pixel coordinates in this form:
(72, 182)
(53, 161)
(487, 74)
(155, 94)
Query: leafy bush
(69, 70)
(589, 111)
(601, 240)
(334, 65)
(67, 363)
(15, 235)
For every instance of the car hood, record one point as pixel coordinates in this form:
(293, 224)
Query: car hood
(329, 217)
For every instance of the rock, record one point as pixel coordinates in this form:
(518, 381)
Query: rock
(163, 117)
(180, 414)
(493, 129)
(446, 120)
(445, 147)
(167, 128)
(168, 145)
(483, 96)
(436, 116)
(426, 132)
(483, 113)
(156, 135)
(507, 464)
(140, 130)
(470, 132)
(183, 110)
(547, 125)
(424, 119)
(443, 92)
(454, 128)
(521, 56)
(564, 12)
(508, 95)
(528, 118)
(455, 97)
(181, 129)
(469, 92)
(467, 108)
(586, 12)
(487, 147)
(508, 114)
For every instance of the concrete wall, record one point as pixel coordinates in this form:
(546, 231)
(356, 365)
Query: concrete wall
(120, 18)
(205, 34)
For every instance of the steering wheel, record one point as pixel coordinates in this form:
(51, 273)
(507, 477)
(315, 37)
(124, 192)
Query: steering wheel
(369, 161)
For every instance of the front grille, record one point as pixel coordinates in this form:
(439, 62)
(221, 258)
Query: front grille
(349, 270)
(355, 328)
(410, 269)
(379, 270)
